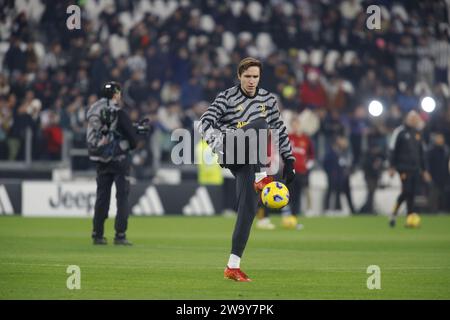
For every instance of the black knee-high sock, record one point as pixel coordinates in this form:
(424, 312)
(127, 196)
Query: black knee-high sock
(247, 205)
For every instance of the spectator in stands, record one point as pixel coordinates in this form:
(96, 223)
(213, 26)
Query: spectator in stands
(303, 151)
(55, 59)
(15, 58)
(394, 118)
(425, 65)
(405, 59)
(406, 100)
(440, 122)
(372, 163)
(332, 126)
(438, 160)
(4, 85)
(24, 118)
(441, 52)
(312, 92)
(337, 165)
(191, 93)
(135, 89)
(368, 82)
(53, 137)
(77, 118)
(336, 96)
(171, 44)
(5, 124)
(358, 128)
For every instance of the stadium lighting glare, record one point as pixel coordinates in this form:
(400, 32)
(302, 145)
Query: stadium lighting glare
(375, 108)
(428, 104)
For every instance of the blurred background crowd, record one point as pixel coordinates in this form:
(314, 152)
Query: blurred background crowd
(173, 57)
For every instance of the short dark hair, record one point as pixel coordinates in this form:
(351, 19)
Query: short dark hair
(247, 63)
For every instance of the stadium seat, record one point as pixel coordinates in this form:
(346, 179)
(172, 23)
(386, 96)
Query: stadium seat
(330, 60)
(316, 57)
(228, 41)
(348, 57)
(255, 10)
(303, 56)
(207, 23)
(264, 44)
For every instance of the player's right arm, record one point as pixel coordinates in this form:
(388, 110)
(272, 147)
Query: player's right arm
(209, 119)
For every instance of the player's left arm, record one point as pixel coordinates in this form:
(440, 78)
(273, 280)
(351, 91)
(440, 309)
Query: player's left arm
(275, 122)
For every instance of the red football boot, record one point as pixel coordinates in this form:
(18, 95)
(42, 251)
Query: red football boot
(262, 183)
(235, 274)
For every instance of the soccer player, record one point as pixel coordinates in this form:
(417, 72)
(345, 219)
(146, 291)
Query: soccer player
(248, 107)
(407, 157)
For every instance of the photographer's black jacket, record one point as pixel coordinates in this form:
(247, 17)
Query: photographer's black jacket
(406, 150)
(126, 129)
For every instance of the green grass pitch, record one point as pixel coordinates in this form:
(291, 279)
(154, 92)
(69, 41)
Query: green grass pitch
(183, 258)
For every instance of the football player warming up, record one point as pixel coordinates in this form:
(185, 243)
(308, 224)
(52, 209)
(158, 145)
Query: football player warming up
(233, 115)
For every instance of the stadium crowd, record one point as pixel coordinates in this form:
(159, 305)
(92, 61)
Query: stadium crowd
(173, 57)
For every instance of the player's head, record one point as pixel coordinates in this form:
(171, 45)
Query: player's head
(414, 120)
(112, 90)
(249, 74)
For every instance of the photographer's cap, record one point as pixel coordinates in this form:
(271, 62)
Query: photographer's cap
(110, 88)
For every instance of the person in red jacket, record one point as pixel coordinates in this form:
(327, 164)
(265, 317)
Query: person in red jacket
(312, 93)
(53, 135)
(303, 151)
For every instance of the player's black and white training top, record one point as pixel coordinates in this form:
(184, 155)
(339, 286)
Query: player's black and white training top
(232, 109)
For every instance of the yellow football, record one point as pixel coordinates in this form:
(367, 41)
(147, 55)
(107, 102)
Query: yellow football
(275, 195)
(413, 220)
(289, 222)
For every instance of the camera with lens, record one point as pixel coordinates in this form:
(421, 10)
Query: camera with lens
(142, 127)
